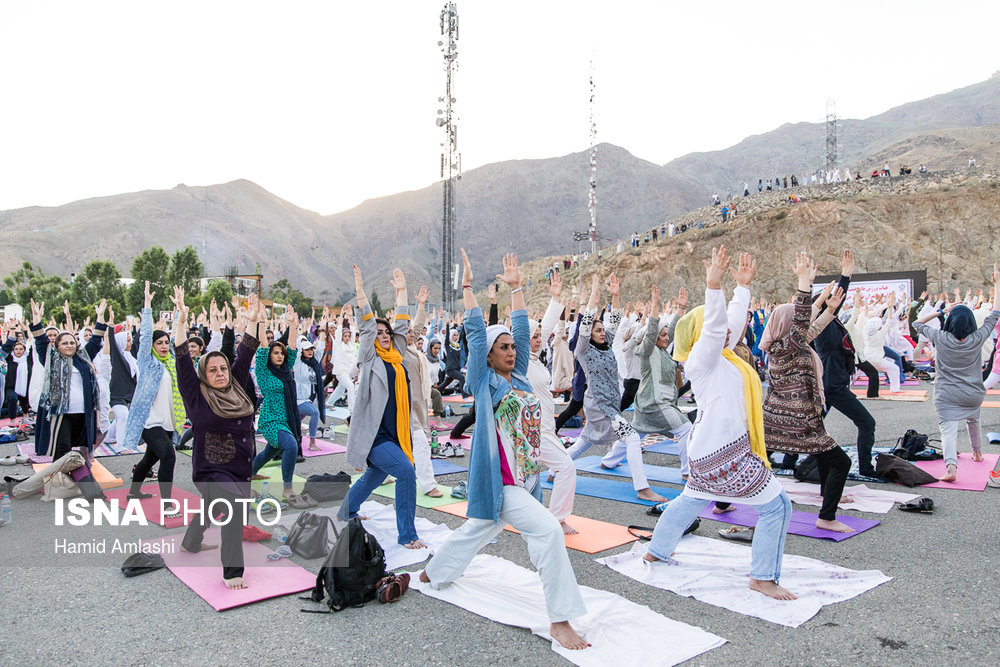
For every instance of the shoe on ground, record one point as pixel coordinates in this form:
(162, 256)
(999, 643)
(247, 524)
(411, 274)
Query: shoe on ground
(458, 450)
(8, 461)
(460, 491)
(22, 459)
(993, 479)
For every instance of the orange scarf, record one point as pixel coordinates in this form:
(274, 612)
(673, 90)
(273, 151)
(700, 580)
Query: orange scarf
(395, 359)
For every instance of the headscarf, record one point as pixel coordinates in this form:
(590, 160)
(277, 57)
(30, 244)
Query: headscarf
(686, 335)
(58, 376)
(872, 326)
(431, 357)
(318, 384)
(230, 402)
(21, 379)
(284, 373)
(177, 403)
(778, 327)
(454, 339)
(961, 322)
(121, 338)
(394, 358)
(493, 332)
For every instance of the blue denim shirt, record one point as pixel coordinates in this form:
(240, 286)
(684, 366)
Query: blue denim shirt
(487, 388)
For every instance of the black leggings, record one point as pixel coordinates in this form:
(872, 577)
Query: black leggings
(463, 424)
(159, 447)
(453, 376)
(232, 529)
(13, 400)
(67, 432)
(833, 466)
(873, 378)
(628, 396)
(568, 413)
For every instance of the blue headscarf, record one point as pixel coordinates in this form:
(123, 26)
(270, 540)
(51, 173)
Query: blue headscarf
(960, 322)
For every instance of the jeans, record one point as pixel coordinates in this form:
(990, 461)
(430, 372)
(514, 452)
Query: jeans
(308, 408)
(13, 400)
(384, 459)
(289, 451)
(849, 405)
(949, 437)
(768, 537)
(892, 354)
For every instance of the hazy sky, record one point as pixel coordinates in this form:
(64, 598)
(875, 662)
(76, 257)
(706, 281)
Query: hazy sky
(328, 103)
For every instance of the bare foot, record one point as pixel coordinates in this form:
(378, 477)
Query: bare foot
(723, 510)
(834, 525)
(649, 558)
(952, 473)
(434, 493)
(236, 583)
(312, 445)
(204, 547)
(416, 544)
(568, 529)
(977, 456)
(565, 634)
(609, 467)
(847, 499)
(772, 590)
(424, 578)
(649, 494)
(258, 477)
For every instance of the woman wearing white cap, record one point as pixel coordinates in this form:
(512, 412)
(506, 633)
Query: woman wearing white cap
(309, 385)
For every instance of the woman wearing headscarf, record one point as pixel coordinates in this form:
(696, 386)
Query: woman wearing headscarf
(121, 389)
(157, 410)
(794, 405)
(420, 399)
(380, 428)
(656, 401)
(958, 383)
(453, 360)
(19, 368)
(876, 329)
(221, 415)
(67, 407)
(726, 449)
(309, 385)
(344, 358)
(602, 401)
(280, 422)
(503, 471)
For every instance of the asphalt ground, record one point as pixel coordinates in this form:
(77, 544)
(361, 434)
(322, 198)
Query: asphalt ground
(939, 609)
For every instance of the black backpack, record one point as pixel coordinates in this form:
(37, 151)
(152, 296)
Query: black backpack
(913, 447)
(326, 487)
(351, 572)
(807, 470)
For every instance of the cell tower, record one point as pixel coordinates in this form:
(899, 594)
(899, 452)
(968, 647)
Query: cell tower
(831, 134)
(451, 159)
(592, 201)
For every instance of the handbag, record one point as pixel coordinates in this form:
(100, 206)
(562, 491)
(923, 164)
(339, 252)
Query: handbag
(310, 535)
(327, 487)
(900, 471)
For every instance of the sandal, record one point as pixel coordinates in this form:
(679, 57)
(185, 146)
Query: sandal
(924, 505)
(295, 501)
(309, 500)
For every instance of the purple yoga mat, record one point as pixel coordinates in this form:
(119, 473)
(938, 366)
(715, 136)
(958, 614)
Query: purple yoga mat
(802, 523)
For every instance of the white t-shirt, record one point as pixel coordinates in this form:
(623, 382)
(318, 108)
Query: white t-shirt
(75, 393)
(161, 413)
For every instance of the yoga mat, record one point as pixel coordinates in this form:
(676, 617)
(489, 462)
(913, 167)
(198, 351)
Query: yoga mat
(802, 523)
(885, 383)
(457, 398)
(440, 426)
(343, 429)
(664, 447)
(991, 404)
(337, 413)
(853, 474)
(446, 467)
(102, 450)
(592, 464)
(716, 572)
(865, 499)
(592, 537)
(202, 572)
(275, 485)
(325, 447)
(570, 432)
(389, 491)
(101, 474)
(151, 506)
(905, 395)
(620, 632)
(612, 490)
(972, 475)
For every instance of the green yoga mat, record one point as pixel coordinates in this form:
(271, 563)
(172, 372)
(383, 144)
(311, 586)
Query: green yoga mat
(389, 491)
(275, 485)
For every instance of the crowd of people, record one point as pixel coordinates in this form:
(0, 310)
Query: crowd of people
(760, 379)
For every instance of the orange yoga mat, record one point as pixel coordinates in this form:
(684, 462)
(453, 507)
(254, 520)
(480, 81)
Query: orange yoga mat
(101, 474)
(908, 395)
(593, 536)
(991, 404)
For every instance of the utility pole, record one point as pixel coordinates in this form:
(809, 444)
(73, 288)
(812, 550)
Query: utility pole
(592, 200)
(579, 237)
(451, 159)
(831, 134)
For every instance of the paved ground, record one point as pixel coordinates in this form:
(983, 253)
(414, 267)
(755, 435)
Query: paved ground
(940, 608)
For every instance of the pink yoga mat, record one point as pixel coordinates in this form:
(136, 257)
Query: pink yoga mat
(864, 383)
(202, 572)
(325, 447)
(802, 523)
(972, 475)
(151, 506)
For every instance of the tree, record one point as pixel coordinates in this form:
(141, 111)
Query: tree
(100, 279)
(375, 303)
(152, 264)
(283, 292)
(30, 283)
(185, 270)
(220, 290)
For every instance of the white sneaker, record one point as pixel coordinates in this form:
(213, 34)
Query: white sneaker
(459, 450)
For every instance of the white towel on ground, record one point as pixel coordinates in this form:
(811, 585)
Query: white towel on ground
(865, 499)
(717, 573)
(620, 632)
(381, 523)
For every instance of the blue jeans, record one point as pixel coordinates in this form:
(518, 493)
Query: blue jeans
(309, 408)
(768, 538)
(892, 354)
(289, 452)
(384, 459)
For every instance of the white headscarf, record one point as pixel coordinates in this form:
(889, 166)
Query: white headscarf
(21, 381)
(122, 339)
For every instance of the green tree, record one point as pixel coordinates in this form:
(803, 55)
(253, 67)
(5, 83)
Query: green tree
(98, 280)
(152, 264)
(29, 283)
(186, 270)
(375, 303)
(220, 290)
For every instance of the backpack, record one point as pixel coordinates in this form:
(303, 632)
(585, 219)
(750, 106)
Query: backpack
(351, 574)
(807, 470)
(912, 446)
(327, 487)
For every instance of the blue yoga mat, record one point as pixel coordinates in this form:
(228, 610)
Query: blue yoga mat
(612, 490)
(664, 447)
(446, 467)
(993, 438)
(653, 473)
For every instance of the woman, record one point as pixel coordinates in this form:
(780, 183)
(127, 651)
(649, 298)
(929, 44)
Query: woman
(453, 361)
(67, 408)
(656, 401)
(728, 435)
(344, 359)
(19, 368)
(794, 405)
(420, 399)
(958, 384)
(876, 329)
(157, 410)
(309, 388)
(221, 417)
(553, 454)
(602, 401)
(280, 422)
(380, 427)
(124, 370)
(503, 473)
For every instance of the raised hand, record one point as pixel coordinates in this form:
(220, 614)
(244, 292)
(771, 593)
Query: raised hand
(847, 264)
(716, 268)
(744, 272)
(398, 281)
(613, 285)
(147, 296)
(101, 307)
(511, 271)
(835, 298)
(466, 269)
(682, 298)
(420, 296)
(654, 303)
(491, 292)
(555, 285)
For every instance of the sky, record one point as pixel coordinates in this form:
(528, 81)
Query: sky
(329, 103)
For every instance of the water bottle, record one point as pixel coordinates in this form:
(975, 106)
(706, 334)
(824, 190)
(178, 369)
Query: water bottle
(280, 533)
(447, 411)
(434, 441)
(5, 512)
(265, 490)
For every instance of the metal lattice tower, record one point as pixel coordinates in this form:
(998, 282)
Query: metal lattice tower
(831, 134)
(451, 159)
(592, 200)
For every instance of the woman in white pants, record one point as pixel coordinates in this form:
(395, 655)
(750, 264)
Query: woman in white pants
(420, 395)
(344, 360)
(876, 330)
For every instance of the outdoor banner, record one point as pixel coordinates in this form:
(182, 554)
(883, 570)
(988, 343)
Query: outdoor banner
(870, 289)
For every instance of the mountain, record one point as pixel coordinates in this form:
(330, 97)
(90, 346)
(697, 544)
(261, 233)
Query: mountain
(527, 206)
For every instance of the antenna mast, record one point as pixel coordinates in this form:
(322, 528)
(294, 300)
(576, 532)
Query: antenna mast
(592, 201)
(451, 159)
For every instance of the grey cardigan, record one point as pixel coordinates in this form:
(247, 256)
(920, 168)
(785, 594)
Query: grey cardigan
(373, 384)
